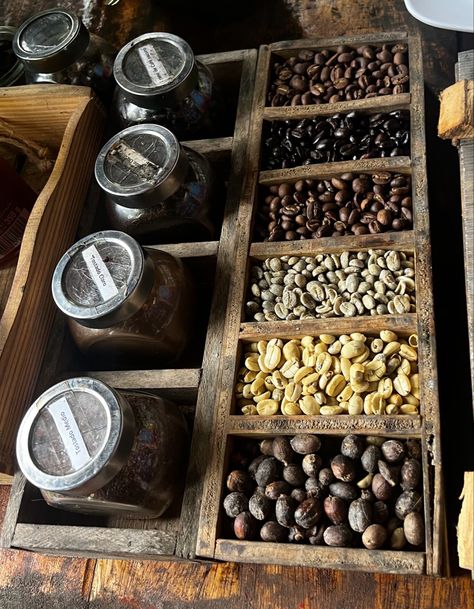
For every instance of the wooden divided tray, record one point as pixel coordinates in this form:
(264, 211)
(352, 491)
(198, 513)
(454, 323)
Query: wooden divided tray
(216, 539)
(29, 522)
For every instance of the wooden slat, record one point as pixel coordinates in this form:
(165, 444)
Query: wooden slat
(211, 145)
(349, 39)
(409, 563)
(189, 250)
(403, 240)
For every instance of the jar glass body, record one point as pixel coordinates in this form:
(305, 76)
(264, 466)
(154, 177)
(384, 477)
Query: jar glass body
(154, 336)
(185, 216)
(197, 115)
(93, 69)
(152, 474)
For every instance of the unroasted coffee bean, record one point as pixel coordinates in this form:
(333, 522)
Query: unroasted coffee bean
(370, 458)
(360, 515)
(335, 509)
(344, 490)
(367, 494)
(380, 512)
(268, 471)
(408, 501)
(235, 503)
(352, 446)
(410, 474)
(338, 535)
(252, 468)
(285, 511)
(308, 513)
(275, 489)
(282, 450)
(260, 506)
(305, 444)
(245, 526)
(239, 481)
(298, 494)
(315, 534)
(266, 447)
(272, 531)
(393, 451)
(398, 540)
(294, 474)
(414, 528)
(413, 449)
(311, 464)
(381, 488)
(390, 473)
(296, 534)
(326, 476)
(343, 468)
(374, 536)
(314, 488)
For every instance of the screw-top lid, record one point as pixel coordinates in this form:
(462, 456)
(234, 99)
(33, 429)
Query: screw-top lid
(156, 69)
(77, 435)
(51, 40)
(103, 279)
(11, 68)
(141, 166)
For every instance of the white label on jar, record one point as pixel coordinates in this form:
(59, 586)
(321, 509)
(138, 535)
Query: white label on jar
(69, 432)
(155, 68)
(99, 273)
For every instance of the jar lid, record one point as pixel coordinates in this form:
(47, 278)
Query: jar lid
(103, 279)
(77, 435)
(141, 166)
(156, 69)
(51, 40)
(11, 68)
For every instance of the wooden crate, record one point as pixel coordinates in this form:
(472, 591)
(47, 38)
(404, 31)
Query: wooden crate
(228, 425)
(70, 122)
(29, 522)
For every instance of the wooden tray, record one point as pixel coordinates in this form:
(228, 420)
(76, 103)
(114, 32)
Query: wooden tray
(29, 522)
(228, 425)
(70, 122)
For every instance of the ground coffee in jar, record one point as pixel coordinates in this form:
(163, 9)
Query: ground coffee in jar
(160, 81)
(56, 47)
(126, 306)
(91, 449)
(157, 190)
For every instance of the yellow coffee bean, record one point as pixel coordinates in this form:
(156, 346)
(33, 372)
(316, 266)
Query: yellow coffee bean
(374, 370)
(257, 386)
(393, 363)
(353, 348)
(395, 399)
(415, 385)
(261, 375)
(408, 409)
(377, 345)
(344, 338)
(309, 358)
(291, 350)
(404, 367)
(242, 372)
(345, 394)
(346, 367)
(261, 364)
(344, 406)
(269, 384)
(391, 409)
(250, 409)
(385, 387)
(302, 372)
(278, 395)
(279, 380)
(290, 368)
(388, 336)
(360, 387)
(366, 481)
(247, 392)
(357, 373)
(250, 376)
(262, 346)
(356, 405)
(324, 379)
(391, 348)
(267, 408)
(368, 403)
(293, 391)
(309, 379)
(239, 387)
(252, 363)
(408, 353)
(310, 389)
(320, 348)
(377, 404)
(331, 410)
(263, 396)
(323, 362)
(335, 385)
(272, 356)
(309, 405)
(401, 384)
(411, 399)
(276, 342)
(327, 339)
(362, 357)
(252, 347)
(336, 365)
(307, 341)
(357, 336)
(413, 341)
(291, 409)
(320, 398)
(335, 348)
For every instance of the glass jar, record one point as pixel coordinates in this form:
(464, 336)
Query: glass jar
(160, 81)
(56, 47)
(126, 306)
(12, 71)
(92, 449)
(157, 191)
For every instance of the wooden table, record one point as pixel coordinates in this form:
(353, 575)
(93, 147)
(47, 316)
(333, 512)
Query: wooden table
(28, 580)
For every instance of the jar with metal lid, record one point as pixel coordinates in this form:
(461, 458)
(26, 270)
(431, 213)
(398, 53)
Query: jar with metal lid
(126, 306)
(160, 81)
(12, 70)
(56, 47)
(92, 449)
(157, 190)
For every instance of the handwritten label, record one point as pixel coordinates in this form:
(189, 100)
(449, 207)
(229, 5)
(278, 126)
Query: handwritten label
(155, 68)
(99, 273)
(70, 433)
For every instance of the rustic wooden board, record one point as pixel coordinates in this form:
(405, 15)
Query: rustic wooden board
(227, 423)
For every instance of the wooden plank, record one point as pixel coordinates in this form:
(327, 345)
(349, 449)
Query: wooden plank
(403, 240)
(369, 324)
(331, 558)
(211, 145)
(13, 508)
(386, 103)
(324, 170)
(375, 37)
(189, 250)
(465, 532)
(456, 115)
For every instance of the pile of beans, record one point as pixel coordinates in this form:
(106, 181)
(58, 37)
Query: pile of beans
(350, 204)
(341, 137)
(363, 491)
(329, 76)
(375, 282)
(330, 375)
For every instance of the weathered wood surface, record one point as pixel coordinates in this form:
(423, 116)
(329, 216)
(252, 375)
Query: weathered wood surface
(28, 581)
